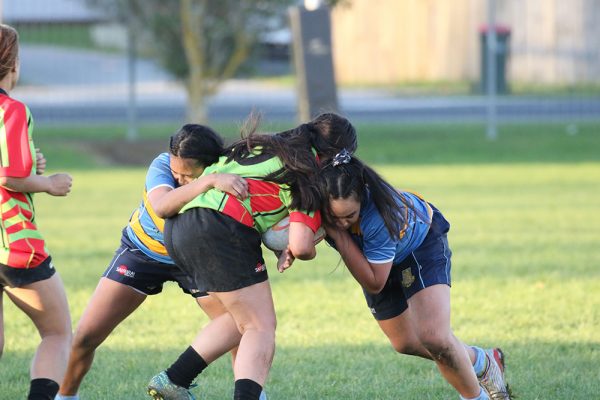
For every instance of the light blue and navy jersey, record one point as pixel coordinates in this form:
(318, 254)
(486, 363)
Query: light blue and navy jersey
(145, 228)
(374, 239)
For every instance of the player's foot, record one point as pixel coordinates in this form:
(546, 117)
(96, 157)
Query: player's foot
(161, 388)
(492, 380)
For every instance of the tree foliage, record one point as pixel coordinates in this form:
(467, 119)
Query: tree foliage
(201, 42)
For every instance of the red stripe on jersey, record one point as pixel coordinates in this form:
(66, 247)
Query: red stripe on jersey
(313, 222)
(237, 211)
(16, 210)
(20, 226)
(17, 139)
(27, 253)
(18, 196)
(264, 196)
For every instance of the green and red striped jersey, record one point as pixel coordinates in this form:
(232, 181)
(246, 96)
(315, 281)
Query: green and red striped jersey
(22, 245)
(267, 203)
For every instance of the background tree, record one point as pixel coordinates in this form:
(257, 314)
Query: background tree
(200, 42)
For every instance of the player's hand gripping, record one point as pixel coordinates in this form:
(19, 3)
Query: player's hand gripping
(285, 260)
(233, 184)
(40, 162)
(60, 184)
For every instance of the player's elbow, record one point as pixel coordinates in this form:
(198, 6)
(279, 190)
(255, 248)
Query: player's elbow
(3, 181)
(374, 287)
(164, 211)
(303, 251)
(161, 213)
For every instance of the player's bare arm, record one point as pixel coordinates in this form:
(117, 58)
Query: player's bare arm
(371, 276)
(166, 202)
(55, 185)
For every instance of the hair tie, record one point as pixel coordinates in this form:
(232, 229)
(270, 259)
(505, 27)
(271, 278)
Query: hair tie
(343, 157)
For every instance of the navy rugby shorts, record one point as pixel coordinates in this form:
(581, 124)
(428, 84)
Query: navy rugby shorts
(131, 267)
(428, 265)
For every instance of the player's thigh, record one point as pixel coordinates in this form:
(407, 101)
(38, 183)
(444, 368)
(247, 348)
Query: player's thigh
(45, 302)
(251, 307)
(430, 311)
(110, 304)
(400, 332)
(211, 306)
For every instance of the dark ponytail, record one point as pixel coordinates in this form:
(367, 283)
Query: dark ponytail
(197, 142)
(325, 135)
(349, 178)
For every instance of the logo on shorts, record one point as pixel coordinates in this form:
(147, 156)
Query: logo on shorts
(260, 267)
(407, 277)
(123, 270)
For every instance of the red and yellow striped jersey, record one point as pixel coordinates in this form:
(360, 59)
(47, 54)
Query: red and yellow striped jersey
(22, 246)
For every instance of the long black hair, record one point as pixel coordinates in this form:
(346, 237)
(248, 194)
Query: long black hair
(325, 135)
(197, 142)
(346, 176)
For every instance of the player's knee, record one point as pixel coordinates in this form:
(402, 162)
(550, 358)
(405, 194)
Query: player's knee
(266, 327)
(435, 341)
(60, 331)
(439, 348)
(404, 347)
(86, 341)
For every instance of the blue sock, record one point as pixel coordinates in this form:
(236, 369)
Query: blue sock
(480, 360)
(59, 397)
(482, 396)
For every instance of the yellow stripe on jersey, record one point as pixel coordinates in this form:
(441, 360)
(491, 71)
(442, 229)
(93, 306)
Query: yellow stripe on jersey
(151, 244)
(159, 222)
(4, 160)
(429, 209)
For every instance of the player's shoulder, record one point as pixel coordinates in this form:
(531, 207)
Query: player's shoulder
(159, 169)
(370, 219)
(7, 103)
(162, 157)
(161, 161)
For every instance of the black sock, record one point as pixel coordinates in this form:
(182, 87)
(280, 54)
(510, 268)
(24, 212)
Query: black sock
(187, 367)
(246, 389)
(42, 389)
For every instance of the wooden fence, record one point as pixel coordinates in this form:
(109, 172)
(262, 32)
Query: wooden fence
(389, 41)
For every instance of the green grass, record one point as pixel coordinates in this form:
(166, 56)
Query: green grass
(525, 226)
(78, 36)
(579, 89)
(420, 144)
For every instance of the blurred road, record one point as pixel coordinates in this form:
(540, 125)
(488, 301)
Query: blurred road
(75, 86)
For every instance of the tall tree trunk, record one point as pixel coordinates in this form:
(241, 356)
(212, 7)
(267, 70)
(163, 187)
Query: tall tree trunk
(197, 111)
(192, 19)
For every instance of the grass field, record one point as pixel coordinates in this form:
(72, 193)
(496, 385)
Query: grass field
(525, 215)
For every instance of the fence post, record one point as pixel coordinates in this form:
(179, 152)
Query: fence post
(313, 60)
(492, 120)
(132, 123)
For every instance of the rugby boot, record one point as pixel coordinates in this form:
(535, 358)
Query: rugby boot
(161, 388)
(492, 380)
